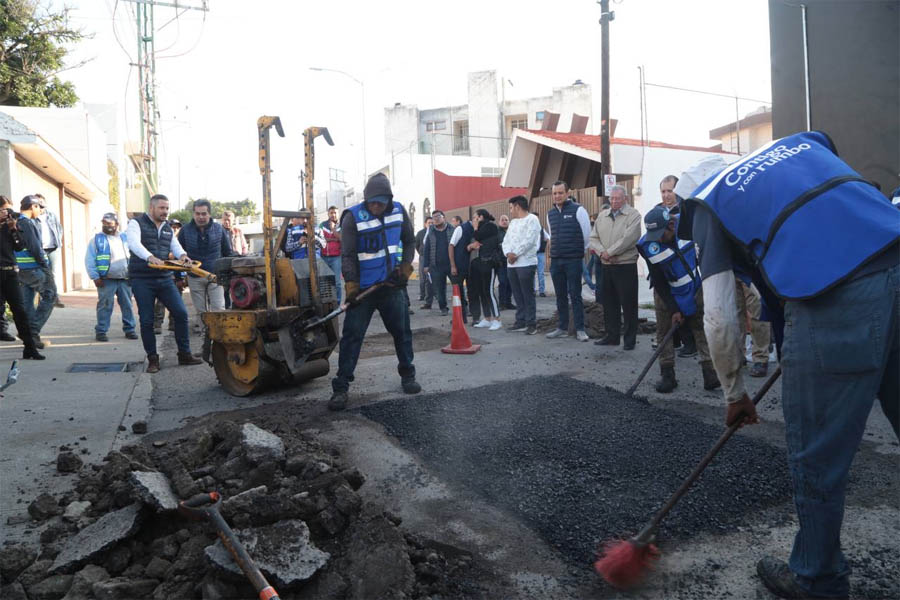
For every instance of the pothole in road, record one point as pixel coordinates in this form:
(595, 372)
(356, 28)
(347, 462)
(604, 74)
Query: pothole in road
(581, 463)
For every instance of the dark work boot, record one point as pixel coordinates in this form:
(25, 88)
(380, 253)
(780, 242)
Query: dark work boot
(186, 358)
(710, 379)
(32, 354)
(667, 383)
(410, 385)
(338, 400)
(780, 580)
(153, 363)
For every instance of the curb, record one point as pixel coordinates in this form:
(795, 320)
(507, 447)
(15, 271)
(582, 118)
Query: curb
(138, 408)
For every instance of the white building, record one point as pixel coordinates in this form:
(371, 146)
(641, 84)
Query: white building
(469, 139)
(62, 154)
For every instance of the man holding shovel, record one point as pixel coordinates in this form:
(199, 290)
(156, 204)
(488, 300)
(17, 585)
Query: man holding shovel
(820, 243)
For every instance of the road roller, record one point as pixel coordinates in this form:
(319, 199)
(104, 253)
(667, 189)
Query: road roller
(277, 331)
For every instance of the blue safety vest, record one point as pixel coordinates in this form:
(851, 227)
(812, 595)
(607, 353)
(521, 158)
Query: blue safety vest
(101, 245)
(378, 246)
(292, 245)
(24, 259)
(678, 262)
(804, 218)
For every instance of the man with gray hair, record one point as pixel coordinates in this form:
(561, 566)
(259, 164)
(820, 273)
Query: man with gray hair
(613, 238)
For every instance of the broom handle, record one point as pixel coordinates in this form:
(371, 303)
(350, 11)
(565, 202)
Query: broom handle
(656, 353)
(648, 531)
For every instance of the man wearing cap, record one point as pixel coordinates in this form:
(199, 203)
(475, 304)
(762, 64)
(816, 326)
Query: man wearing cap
(151, 240)
(10, 292)
(822, 246)
(35, 274)
(106, 263)
(377, 247)
(677, 294)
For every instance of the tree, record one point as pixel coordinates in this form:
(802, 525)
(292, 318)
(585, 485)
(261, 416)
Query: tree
(33, 46)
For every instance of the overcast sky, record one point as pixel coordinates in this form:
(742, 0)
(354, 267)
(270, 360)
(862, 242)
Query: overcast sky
(244, 59)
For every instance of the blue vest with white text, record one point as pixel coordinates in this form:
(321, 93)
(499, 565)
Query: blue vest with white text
(568, 239)
(805, 219)
(24, 259)
(377, 243)
(292, 245)
(678, 262)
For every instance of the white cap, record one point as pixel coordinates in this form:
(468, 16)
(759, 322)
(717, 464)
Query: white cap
(691, 179)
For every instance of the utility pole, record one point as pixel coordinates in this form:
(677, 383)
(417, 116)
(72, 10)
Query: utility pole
(605, 18)
(149, 107)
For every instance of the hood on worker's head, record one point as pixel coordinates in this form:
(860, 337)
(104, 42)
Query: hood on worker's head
(378, 189)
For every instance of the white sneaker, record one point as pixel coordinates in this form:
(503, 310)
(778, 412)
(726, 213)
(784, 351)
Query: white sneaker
(482, 323)
(556, 333)
(495, 325)
(581, 336)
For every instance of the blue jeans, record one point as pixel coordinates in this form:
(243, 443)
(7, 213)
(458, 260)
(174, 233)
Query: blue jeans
(334, 263)
(541, 266)
(521, 280)
(37, 281)
(146, 291)
(439, 284)
(106, 297)
(391, 303)
(841, 350)
(566, 275)
(588, 270)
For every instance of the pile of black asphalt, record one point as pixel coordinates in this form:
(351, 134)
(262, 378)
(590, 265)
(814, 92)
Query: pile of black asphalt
(582, 464)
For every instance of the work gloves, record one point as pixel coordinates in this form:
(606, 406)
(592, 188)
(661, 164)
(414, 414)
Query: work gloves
(400, 275)
(351, 289)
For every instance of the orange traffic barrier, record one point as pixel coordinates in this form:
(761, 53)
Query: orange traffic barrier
(459, 339)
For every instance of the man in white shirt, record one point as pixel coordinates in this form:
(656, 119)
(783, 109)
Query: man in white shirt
(520, 245)
(151, 239)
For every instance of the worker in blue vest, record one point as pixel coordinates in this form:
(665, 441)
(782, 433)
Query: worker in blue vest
(106, 263)
(35, 272)
(677, 294)
(822, 245)
(10, 291)
(377, 247)
(296, 240)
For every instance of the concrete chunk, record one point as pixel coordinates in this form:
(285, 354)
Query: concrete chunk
(76, 510)
(282, 551)
(261, 445)
(154, 489)
(97, 537)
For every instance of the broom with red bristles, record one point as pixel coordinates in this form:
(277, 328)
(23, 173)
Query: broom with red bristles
(623, 563)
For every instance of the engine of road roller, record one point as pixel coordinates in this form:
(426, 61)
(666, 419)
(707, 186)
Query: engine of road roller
(244, 280)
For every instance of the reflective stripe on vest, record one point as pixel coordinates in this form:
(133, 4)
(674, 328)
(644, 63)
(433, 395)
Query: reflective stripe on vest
(801, 214)
(377, 242)
(102, 256)
(24, 259)
(679, 268)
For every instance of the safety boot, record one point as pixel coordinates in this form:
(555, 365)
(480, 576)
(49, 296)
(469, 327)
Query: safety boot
(153, 363)
(410, 385)
(710, 379)
(668, 383)
(338, 400)
(186, 358)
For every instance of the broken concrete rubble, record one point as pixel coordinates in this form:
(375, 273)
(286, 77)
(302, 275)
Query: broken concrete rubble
(260, 445)
(97, 537)
(282, 551)
(153, 488)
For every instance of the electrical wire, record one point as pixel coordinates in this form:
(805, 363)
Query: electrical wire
(116, 33)
(196, 43)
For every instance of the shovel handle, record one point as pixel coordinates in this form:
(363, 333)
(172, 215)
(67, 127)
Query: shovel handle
(656, 353)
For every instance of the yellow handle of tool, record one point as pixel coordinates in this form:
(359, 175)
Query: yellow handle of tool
(193, 268)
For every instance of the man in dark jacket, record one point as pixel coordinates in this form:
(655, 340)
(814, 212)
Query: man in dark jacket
(377, 247)
(206, 241)
(426, 290)
(437, 258)
(10, 242)
(462, 236)
(35, 273)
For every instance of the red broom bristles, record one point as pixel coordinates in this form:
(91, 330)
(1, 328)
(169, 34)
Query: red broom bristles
(623, 563)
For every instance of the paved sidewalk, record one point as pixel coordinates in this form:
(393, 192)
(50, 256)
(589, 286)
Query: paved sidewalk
(49, 407)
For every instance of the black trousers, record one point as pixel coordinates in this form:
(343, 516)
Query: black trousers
(11, 293)
(620, 298)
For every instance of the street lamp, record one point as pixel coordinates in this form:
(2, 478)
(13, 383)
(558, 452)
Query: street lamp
(362, 88)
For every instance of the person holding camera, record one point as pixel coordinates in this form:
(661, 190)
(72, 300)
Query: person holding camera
(10, 293)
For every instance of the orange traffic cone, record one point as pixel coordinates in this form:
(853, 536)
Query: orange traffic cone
(459, 339)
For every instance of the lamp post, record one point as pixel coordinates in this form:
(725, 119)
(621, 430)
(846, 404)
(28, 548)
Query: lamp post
(362, 88)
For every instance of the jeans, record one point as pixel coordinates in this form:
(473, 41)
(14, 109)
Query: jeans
(146, 290)
(426, 290)
(11, 293)
(391, 303)
(541, 267)
(566, 275)
(106, 297)
(841, 350)
(38, 281)
(504, 287)
(521, 280)
(205, 296)
(439, 283)
(588, 270)
(334, 263)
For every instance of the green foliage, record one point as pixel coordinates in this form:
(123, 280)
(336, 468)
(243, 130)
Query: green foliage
(33, 47)
(113, 173)
(242, 208)
(182, 215)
